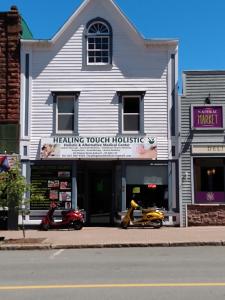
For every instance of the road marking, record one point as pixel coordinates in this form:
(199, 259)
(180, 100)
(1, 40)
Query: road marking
(56, 253)
(125, 285)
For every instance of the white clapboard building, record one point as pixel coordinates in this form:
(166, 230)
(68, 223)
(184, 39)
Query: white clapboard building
(99, 116)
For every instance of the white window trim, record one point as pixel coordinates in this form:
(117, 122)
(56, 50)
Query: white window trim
(141, 117)
(100, 35)
(97, 50)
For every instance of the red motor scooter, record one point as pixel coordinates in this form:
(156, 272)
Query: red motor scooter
(70, 219)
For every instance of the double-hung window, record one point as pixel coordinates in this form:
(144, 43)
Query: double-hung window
(131, 112)
(99, 42)
(65, 112)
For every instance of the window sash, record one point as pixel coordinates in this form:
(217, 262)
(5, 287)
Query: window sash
(98, 50)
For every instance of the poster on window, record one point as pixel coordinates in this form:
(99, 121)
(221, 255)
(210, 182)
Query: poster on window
(65, 185)
(99, 147)
(53, 195)
(53, 183)
(64, 196)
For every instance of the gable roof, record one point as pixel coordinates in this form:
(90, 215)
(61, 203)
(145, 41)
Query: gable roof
(26, 33)
(172, 42)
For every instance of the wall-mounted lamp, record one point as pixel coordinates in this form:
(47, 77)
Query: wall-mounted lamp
(211, 172)
(208, 99)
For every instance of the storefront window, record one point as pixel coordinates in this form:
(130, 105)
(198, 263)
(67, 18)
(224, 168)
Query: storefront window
(53, 183)
(148, 195)
(209, 180)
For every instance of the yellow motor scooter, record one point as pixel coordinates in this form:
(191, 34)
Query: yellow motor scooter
(150, 217)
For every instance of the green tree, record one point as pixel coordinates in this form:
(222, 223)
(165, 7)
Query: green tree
(13, 195)
(13, 187)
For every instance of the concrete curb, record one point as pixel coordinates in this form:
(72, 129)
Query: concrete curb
(113, 245)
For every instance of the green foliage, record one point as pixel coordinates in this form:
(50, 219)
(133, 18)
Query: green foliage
(13, 191)
(13, 187)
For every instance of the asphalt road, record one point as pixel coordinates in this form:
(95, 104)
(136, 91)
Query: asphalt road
(132, 273)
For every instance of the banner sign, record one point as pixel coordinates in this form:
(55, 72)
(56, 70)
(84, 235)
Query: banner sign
(99, 147)
(207, 117)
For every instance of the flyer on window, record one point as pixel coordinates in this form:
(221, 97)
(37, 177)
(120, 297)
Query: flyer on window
(53, 183)
(67, 205)
(64, 174)
(65, 196)
(65, 185)
(53, 195)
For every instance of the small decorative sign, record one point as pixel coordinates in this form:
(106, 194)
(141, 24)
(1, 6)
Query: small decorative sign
(209, 197)
(207, 117)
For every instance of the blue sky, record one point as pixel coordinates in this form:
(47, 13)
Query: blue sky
(198, 24)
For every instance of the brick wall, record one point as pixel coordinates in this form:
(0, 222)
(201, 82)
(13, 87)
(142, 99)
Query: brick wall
(205, 215)
(10, 29)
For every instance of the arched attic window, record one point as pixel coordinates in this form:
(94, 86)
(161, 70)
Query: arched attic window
(99, 42)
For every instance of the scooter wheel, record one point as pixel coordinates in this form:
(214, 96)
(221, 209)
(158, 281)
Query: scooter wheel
(157, 224)
(124, 225)
(77, 225)
(45, 227)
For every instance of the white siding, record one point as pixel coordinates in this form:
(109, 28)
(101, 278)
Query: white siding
(135, 67)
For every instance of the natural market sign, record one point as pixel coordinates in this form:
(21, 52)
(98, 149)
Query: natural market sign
(207, 117)
(99, 147)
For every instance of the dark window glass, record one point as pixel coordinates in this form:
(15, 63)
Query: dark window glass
(66, 105)
(98, 46)
(212, 179)
(91, 53)
(131, 123)
(131, 105)
(104, 46)
(66, 122)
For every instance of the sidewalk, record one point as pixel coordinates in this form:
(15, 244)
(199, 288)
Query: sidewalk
(100, 237)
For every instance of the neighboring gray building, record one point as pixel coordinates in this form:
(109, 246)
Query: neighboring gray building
(202, 148)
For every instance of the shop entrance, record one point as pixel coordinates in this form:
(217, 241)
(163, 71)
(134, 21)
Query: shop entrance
(100, 197)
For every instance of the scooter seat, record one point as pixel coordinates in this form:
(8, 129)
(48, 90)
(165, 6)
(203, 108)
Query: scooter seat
(147, 210)
(64, 212)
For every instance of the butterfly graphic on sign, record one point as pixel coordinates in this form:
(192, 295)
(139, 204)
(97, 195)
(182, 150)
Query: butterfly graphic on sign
(210, 196)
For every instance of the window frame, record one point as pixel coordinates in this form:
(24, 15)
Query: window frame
(65, 95)
(107, 35)
(131, 114)
(131, 94)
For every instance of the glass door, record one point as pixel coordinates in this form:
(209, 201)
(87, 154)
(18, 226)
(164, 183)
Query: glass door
(100, 196)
